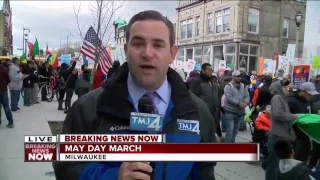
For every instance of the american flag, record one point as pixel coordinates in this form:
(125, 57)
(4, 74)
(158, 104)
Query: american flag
(88, 49)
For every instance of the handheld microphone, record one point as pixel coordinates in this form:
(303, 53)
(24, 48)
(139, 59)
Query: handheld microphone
(145, 121)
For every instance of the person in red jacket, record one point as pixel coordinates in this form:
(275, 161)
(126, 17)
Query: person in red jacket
(263, 122)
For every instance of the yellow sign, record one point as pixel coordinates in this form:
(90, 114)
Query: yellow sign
(316, 62)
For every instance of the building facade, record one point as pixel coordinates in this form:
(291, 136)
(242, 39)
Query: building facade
(234, 31)
(6, 39)
(120, 26)
(312, 32)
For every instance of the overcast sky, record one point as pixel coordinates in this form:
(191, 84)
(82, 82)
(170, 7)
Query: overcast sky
(52, 21)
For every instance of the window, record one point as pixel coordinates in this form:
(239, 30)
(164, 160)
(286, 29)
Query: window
(249, 55)
(197, 26)
(198, 54)
(253, 21)
(180, 54)
(286, 27)
(183, 29)
(206, 52)
(209, 23)
(230, 51)
(189, 28)
(222, 20)
(189, 54)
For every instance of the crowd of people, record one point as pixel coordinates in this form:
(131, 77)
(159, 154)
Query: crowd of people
(27, 79)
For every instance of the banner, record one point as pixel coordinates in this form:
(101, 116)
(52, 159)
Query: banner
(222, 67)
(189, 65)
(65, 58)
(269, 66)
(300, 74)
(179, 64)
(291, 52)
(284, 64)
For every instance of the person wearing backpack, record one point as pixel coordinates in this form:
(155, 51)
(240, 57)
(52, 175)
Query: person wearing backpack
(236, 100)
(64, 76)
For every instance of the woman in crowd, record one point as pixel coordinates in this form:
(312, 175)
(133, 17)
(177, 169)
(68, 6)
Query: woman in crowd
(35, 89)
(83, 86)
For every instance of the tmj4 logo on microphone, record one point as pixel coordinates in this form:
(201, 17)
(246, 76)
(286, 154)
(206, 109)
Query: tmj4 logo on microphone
(146, 122)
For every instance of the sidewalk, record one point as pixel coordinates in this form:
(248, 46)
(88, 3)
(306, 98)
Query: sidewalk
(33, 120)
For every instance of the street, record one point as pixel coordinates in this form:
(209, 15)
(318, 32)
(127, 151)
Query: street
(33, 120)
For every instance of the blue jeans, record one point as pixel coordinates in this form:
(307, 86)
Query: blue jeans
(4, 102)
(232, 122)
(272, 162)
(15, 97)
(26, 98)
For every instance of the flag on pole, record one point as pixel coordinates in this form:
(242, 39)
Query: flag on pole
(91, 41)
(30, 46)
(35, 49)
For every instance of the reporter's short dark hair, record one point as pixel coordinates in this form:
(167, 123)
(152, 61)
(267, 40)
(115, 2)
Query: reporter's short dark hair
(283, 149)
(151, 15)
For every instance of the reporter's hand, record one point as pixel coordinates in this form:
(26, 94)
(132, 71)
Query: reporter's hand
(134, 170)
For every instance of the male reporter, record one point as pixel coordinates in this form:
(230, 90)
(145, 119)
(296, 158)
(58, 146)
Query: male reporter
(150, 49)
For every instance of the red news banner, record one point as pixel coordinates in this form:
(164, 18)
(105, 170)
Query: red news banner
(134, 148)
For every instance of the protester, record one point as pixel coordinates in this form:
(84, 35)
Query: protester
(45, 73)
(289, 168)
(264, 95)
(263, 122)
(28, 82)
(83, 85)
(300, 103)
(245, 80)
(236, 100)
(205, 87)
(317, 82)
(64, 75)
(223, 81)
(16, 82)
(113, 69)
(281, 120)
(4, 99)
(35, 89)
(150, 49)
(71, 85)
(192, 75)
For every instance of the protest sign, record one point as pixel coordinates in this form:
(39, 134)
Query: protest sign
(300, 74)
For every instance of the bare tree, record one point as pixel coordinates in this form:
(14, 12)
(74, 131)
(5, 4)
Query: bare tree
(102, 16)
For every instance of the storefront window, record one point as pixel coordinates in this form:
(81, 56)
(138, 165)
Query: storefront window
(198, 54)
(189, 54)
(230, 51)
(206, 54)
(249, 57)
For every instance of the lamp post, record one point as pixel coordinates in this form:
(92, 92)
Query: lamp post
(26, 37)
(298, 19)
(24, 40)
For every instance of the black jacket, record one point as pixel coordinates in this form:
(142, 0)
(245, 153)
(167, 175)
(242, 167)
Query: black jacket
(207, 90)
(28, 82)
(109, 106)
(264, 96)
(44, 72)
(66, 73)
(298, 105)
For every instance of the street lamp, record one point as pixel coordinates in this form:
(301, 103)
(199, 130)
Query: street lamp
(25, 37)
(298, 19)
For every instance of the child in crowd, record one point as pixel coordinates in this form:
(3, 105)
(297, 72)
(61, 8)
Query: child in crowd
(263, 122)
(289, 168)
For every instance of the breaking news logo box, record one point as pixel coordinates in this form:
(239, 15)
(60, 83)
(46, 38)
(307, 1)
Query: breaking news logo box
(131, 147)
